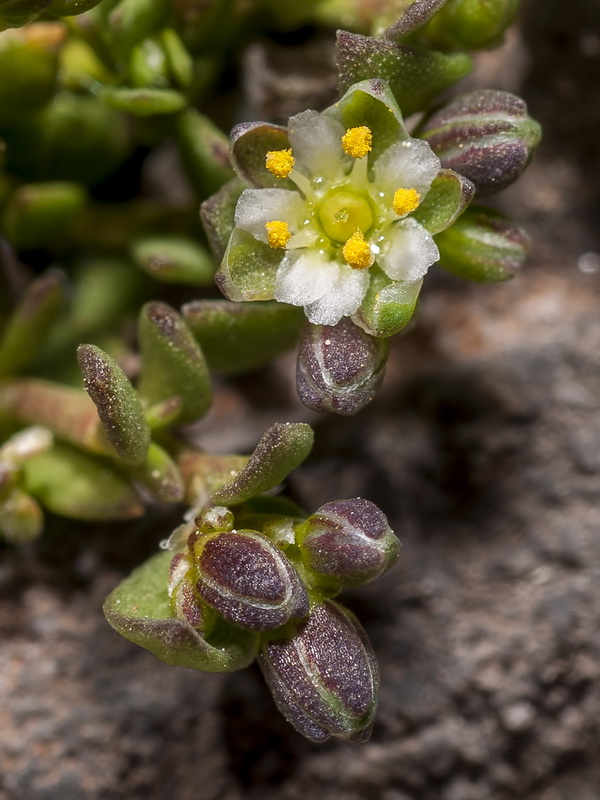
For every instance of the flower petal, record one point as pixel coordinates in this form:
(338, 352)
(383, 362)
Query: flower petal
(256, 207)
(408, 252)
(316, 141)
(304, 276)
(342, 299)
(410, 164)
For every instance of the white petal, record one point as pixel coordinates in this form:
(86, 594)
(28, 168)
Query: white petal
(408, 251)
(304, 276)
(410, 164)
(342, 299)
(259, 206)
(316, 141)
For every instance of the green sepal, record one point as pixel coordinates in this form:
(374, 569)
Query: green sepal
(140, 610)
(29, 68)
(372, 103)
(483, 246)
(204, 151)
(280, 450)
(250, 143)
(144, 102)
(21, 518)
(160, 476)
(388, 305)
(218, 213)
(469, 24)
(117, 402)
(449, 195)
(30, 323)
(248, 269)
(75, 484)
(39, 213)
(415, 75)
(173, 364)
(174, 259)
(239, 337)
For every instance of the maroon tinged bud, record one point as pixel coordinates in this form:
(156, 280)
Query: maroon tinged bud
(324, 678)
(349, 541)
(485, 135)
(248, 581)
(340, 367)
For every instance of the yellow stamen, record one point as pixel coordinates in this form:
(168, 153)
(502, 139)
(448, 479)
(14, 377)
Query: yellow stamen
(357, 252)
(280, 162)
(405, 201)
(357, 142)
(278, 234)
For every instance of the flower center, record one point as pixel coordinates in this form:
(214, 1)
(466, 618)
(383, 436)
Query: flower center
(343, 213)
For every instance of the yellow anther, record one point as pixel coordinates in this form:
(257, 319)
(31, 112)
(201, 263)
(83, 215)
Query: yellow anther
(357, 252)
(405, 201)
(280, 162)
(357, 142)
(278, 234)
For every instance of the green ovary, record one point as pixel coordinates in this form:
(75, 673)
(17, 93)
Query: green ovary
(343, 213)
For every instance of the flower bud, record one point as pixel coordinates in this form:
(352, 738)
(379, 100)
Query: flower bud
(340, 367)
(485, 135)
(483, 245)
(248, 581)
(349, 541)
(324, 678)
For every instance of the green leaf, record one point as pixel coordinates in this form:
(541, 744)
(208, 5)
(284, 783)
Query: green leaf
(80, 486)
(372, 103)
(144, 102)
(179, 60)
(483, 245)
(117, 402)
(21, 518)
(172, 259)
(248, 269)
(412, 17)
(415, 75)
(388, 305)
(140, 610)
(449, 195)
(39, 213)
(29, 325)
(470, 24)
(281, 449)
(172, 363)
(160, 476)
(204, 151)
(132, 21)
(218, 213)
(239, 337)
(250, 143)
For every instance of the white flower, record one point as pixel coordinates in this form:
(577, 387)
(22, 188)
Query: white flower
(344, 217)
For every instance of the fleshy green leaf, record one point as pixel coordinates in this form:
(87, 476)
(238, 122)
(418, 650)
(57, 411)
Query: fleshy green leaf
(204, 151)
(239, 337)
(179, 60)
(38, 213)
(449, 195)
(144, 102)
(217, 215)
(140, 610)
(281, 449)
(131, 21)
(388, 305)
(248, 269)
(250, 143)
(174, 260)
(470, 24)
(172, 363)
(117, 402)
(32, 320)
(413, 16)
(415, 75)
(80, 486)
(160, 476)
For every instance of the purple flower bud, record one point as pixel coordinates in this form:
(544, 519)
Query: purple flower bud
(340, 367)
(248, 581)
(349, 541)
(324, 678)
(485, 135)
